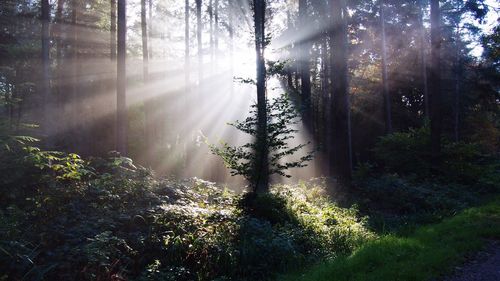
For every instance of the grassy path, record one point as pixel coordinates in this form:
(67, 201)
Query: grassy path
(430, 252)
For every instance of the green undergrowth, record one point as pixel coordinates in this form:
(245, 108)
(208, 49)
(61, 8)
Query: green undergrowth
(67, 218)
(429, 252)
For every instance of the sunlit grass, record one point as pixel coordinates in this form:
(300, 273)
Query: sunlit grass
(428, 253)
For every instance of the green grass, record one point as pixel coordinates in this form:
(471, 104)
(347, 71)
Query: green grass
(429, 252)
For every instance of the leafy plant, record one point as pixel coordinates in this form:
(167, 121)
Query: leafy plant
(281, 119)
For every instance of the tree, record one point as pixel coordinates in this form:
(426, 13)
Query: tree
(121, 102)
(113, 31)
(385, 86)
(340, 105)
(262, 148)
(144, 35)
(75, 73)
(244, 160)
(216, 29)
(211, 31)
(45, 18)
(435, 82)
(304, 59)
(150, 29)
(199, 30)
(186, 45)
(423, 57)
(148, 103)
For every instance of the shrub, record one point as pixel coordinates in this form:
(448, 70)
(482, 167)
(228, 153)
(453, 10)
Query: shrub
(408, 155)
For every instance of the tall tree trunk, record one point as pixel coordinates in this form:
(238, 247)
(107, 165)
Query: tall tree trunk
(113, 30)
(121, 102)
(184, 135)
(385, 87)
(199, 29)
(211, 31)
(304, 62)
(59, 30)
(435, 83)
(150, 29)
(458, 72)
(74, 122)
(262, 153)
(423, 58)
(145, 50)
(289, 69)
(216, 30)
(58, 89)
(148, 103)
(340, 105)
(47, 124)
(186, 46)
(230, 4)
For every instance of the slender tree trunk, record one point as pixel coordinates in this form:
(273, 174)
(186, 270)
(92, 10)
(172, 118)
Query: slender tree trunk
(74, 81)
(150, 29)
(184, 136)
(58, 87)
(186, 46)
(385, 87)
(435, 83)
(340, 106)
(304, 62)
(211, 31)
(230, 4)
(262, 153)
(59, 30)
(145, 50)
(47, 124)
(458, 72)
(289, 69)
(148, 103)
(199, 29)
(216, 30)
(423, 58)
(113, 30)
(121, 114)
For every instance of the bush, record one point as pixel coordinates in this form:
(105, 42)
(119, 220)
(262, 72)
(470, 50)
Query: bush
(112, 219)
(408, 155)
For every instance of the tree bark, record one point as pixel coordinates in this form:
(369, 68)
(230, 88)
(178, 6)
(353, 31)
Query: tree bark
(216, 29)
(121, 102)
(59, 30)
(144, 34)
(75, 131)
(262, 153)
(423, 58)
(198, 37)
(385, 87)
(148, 103)
(186, 46)
(211, 31)
(304, 61)
(340, 105)
(113, 31)
(150, 29)
(458, 72)
(435, 83)
(230, 4)
(47, 124)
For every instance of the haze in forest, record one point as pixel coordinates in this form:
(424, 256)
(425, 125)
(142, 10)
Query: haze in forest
(189, 65)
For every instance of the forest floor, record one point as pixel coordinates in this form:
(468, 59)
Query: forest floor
(482, 266)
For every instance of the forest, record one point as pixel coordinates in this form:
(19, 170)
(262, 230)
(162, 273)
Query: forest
(269, 140)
